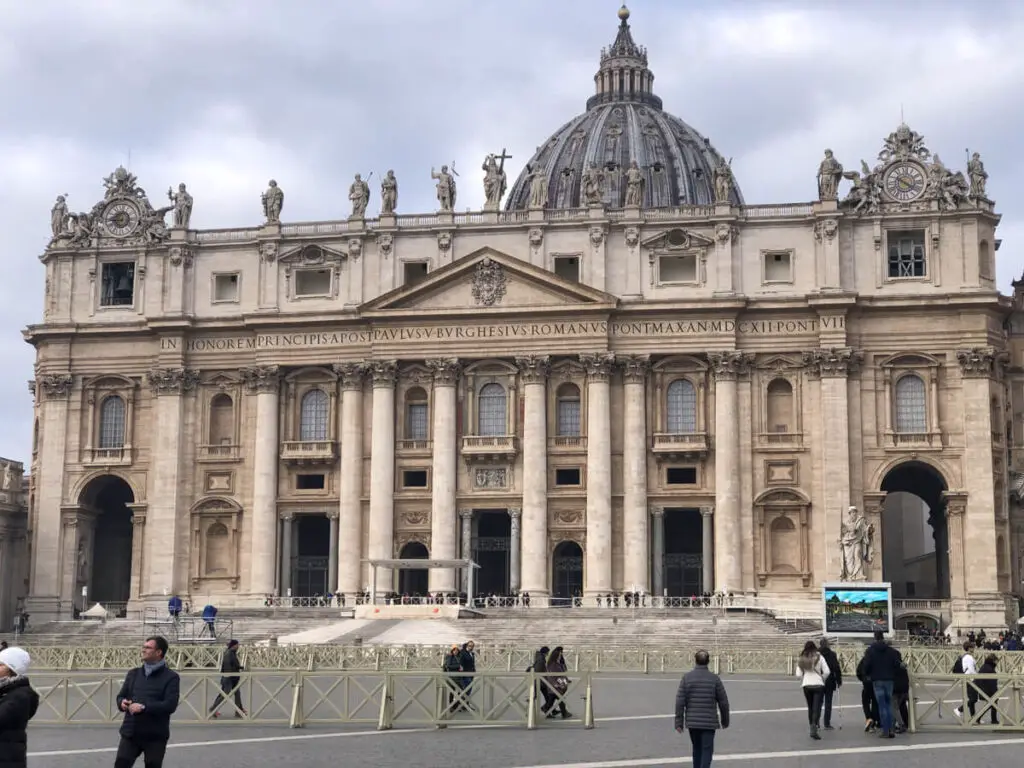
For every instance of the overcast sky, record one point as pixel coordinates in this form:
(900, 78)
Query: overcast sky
(226, 95)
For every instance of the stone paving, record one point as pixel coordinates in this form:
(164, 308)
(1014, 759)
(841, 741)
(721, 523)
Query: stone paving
(634, 729)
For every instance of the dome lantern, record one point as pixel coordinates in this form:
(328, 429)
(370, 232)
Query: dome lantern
(623, 74)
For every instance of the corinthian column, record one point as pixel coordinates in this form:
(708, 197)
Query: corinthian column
(727, 367)
(636, 540)
(350, 491)
(265, 383)
(382, 467)
(533, 372)
(599, 473)
(445, 477)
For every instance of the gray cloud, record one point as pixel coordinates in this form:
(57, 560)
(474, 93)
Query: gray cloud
(224, 96)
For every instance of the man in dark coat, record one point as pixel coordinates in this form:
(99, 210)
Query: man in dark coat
(988, 687)
(700, 702)
(230, 666)
(881, 666)
(148, 698)
(833, 682)
(18, 705)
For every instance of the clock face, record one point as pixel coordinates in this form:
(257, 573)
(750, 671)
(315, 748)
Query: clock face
(121, 218)
(905, 182)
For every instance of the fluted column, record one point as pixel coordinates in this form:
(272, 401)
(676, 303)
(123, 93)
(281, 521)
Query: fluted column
(658, 547)
(444, 479)
(166, 486)
(636, 539)
(727, 367)
(265, 383)
(515, 515)
(287, 547)
(332, 554)
(599, 473)
(707, 519)
(533, 372)
(350, 491)
(382, 468)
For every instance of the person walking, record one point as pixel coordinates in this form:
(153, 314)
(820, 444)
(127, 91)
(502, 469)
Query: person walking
(702, 707)
(18, 705)
(989, 688)
(148, 697)
(558, 683)
(833, 682)
(966, 665)
(813, 672)
(881, 666)
(451, 666)
(230, 681)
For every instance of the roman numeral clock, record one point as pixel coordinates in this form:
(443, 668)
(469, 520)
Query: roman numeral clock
(121, 218)
(904, 182)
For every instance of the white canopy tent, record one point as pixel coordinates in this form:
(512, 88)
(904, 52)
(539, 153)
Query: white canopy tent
(412, 563)
(96, 612)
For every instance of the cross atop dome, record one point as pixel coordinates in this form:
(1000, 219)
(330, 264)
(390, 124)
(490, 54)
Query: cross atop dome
(624, 74)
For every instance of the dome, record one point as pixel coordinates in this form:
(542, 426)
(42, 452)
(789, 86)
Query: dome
(624, 123)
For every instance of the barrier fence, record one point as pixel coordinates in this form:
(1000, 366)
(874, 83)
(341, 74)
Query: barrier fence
(380, 700)
(933, 698)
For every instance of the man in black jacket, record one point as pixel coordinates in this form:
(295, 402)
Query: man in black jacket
(230, 683)
(833, 682)
(700, 700)
(148, 698)
(881, 665)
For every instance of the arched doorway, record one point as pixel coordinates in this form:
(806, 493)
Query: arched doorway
(413, 581)
(109, 572)
(309, 577)
(915, 534)
(567, 570)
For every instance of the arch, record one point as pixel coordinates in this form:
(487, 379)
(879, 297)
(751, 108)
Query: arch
(681, 407)
(916, 622)
(567, 570)
(788, 496)
(485, 368)
(417, 414)
(84, 490)
(113, 415)
(492, 410)
(568, 410)
(779, 410)
(911, 360)
(413, 581)
(311, 373)
(222, 420)
(110, 381)
(314, 415)
(215, 502)
(934, 463)
(910, 404)
(681, 363)
(107, 570)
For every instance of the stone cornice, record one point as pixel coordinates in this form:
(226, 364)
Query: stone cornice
(352, 375)
(383, 372)
(598, 365)
(265, 378)
(172, 381)
(730, 364)
(534, 369)
(444, 370)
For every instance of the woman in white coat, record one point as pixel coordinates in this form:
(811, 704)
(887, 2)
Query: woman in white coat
(813, 671)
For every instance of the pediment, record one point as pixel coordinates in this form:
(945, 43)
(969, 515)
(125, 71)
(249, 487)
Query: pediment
(677, 239)
(312, 255)
(779, 363)
(489, 281)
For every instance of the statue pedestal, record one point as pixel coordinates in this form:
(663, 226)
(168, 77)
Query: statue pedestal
(387, 221)
(445, 217)
(178, 234)
(356, 223)
(270, 229)
(723, 209)
(632, 214)
(595, 212)
(491, 216)
(825, 207)
(536, 214)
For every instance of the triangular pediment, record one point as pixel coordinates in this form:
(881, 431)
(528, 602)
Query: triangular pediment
(489, 281)
(677, 239)
(311, 254)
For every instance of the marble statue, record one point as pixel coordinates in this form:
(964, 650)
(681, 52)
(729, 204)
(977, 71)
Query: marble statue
(273, 202)
(634, 186)
(856, 538)
(866, 192)
(8, 477)
(388, 194)
(538, 188)
(949, 188)
(182, 206)
(83, 562)
(59, 217)
(830, 171)
(359, 194)
(495, 182)
(592, 185)
(976, 173)
(446, 191)
(723, 182)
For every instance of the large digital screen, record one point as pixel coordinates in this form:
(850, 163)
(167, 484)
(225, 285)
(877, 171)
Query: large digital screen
(857, 609)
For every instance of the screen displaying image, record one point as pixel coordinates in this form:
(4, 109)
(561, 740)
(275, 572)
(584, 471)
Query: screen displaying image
(857, 609)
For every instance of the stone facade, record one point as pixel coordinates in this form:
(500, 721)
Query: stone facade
(669, 399)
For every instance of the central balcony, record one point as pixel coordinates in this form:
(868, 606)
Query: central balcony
(680, 445)
(307, 452)
(479, 448)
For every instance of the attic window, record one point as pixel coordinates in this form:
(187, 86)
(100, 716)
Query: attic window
(414, 272)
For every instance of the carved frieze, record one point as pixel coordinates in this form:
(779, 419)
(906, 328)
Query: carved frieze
(172, 381)
(833, 362)
(444, 241)
(534, 369)
(180, 255)
(598, 365)
(977, 362)
(445, 371)
(489, 282)
(52, 385)
(268, 251)
(597, 236)
(355, 247)
(725, 233)
(351, 375)
(264, 378)
(632, 237)
(566, 517)
(385, 244)
(730, 364)
(490, 478)
(415, 518)
(536, 238)
(383, 372)
(635, 368)
(826, 229)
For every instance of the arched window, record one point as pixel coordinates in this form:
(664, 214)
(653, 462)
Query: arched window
(568, 410)
(681, 408)
(218, 549)
(314, 414)
(222, 420)
(416, 415)
(780, 406)
(911, 405)
(492, 414)
(112, 417)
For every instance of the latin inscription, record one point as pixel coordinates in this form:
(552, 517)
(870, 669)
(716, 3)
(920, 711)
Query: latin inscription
(615, 329)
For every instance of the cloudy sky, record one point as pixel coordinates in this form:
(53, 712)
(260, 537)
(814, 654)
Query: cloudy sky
(226, 95)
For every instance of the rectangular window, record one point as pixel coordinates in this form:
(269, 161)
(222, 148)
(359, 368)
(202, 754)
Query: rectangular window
(677, 269)
(681, 476)
(567, 476)
(414, 478)
(568, 417)
(313, 282)
(568, 268)
(778, 267)
(117, 284)
(414, 272)
(225, 287)
(416, 421)
(906, 254)
(310, 482)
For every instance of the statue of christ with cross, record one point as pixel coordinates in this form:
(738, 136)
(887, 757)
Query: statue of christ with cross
(495, 181)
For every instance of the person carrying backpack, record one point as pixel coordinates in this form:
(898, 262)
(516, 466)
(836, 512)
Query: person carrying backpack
(966, 665)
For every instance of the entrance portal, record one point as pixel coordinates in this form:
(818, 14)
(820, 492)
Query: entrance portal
(110, 574)
(413, 581)
(683, 552)
(915, 534)
(309, 569)
(492, 547)
(567, 571)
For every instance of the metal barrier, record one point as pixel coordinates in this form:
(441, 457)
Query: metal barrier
(931, 695)
(382, 700)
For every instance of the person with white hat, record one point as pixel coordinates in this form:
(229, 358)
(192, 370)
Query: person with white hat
(18, 705)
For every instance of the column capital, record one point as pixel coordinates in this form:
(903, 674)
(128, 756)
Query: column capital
(833, 362)
(172, 381)
(52, 386)
(351, 375)
(635, 368)
(383, 372)
(730, 364)
(261, 378)
(445, 370)
(287, 515)
(534, 369)
(707, 511)
(466, 514)
(956, 503)
(978, 362)
(515, 512)
(598, 365)
(657, 511)
(333, 514)
(516, 515)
